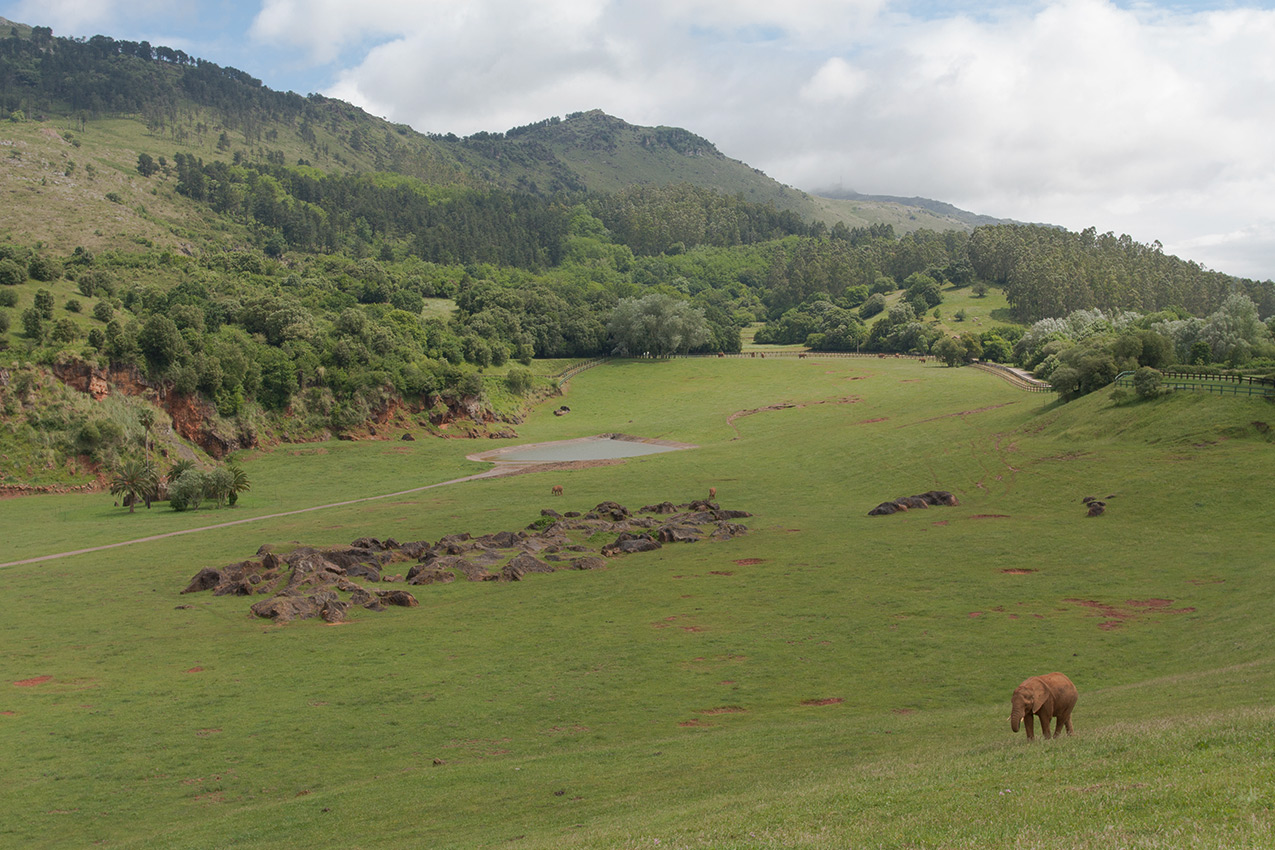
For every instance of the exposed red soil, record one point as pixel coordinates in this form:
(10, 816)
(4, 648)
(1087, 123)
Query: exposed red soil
(870, 421)
(725, 709)
(195, 670)
(1132, 609)
(721, 572)
(8, 713)
(825, 701)
(32, 682)
(990, 516)
(1018, 571)
(695, 722)
(903, 711)
(787, 405)
(942, 522)
(748, 562)
(976, 613)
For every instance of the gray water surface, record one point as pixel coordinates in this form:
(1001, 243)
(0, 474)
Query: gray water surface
(585, 450)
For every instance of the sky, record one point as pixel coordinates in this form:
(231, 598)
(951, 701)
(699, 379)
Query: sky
(1155, 119)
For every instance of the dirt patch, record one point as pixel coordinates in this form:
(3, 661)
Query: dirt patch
(1018, 571)
(724, 709)
(903, 711)
(195, 670)
(1200, 581)
(940, 523)
(824, 701)
(721, 572)
(749, 562)
(1116, 615)
(32, 682)
(870, 421)
(694, 723)
(8, 713)
(990, 516)
(787, 405)
(976, 614)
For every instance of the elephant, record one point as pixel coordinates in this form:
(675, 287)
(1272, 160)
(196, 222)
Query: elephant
(1051, 695)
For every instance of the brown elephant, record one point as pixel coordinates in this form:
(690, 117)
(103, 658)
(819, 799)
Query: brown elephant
(1051, 695)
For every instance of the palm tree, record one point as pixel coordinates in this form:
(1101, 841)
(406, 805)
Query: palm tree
(146, 418)
(239, 483)
(134, 479)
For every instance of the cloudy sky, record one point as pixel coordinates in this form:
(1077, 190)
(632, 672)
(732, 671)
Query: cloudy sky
(1155, 119)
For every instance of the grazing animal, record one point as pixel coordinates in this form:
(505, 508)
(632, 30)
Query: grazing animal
(1051, 695)
(801, 356)
(712, 492)
(557, 489)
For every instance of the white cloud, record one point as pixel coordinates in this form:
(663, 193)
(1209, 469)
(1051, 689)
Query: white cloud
(1145, 119)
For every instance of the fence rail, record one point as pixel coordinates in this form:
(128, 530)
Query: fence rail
(1251, 380)
(1214, 386)
(1031, 385)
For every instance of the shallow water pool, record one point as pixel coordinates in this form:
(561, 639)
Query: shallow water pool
(569, 450)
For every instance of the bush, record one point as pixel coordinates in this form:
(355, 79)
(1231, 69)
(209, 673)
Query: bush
(519, 380)
(1147, 381)
(44, 269)
(187, 491)
(12, 273)
(103, 311)
(8, 298)
(875, 304)
(73, 306)
(4, 322)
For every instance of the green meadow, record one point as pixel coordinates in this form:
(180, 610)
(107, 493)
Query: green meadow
(828, 680)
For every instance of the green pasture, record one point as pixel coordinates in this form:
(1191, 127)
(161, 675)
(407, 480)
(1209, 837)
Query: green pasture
(828, 680)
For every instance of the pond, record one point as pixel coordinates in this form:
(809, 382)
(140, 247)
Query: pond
(600, 447)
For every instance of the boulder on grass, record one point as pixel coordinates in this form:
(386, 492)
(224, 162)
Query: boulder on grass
(397, 597)
(884, 509)
(205, 579)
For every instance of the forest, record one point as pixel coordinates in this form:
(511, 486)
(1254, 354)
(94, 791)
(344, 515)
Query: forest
(321, 319)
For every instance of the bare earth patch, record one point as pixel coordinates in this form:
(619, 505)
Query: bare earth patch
(694, 723)
(748, 562)
(724, 709)
(195, 670)
(1018, 571)
(824, 701)
(1132, 609)
(32, 682)
(903, 711)
(786, 405)
(721, 572)
(990, 516)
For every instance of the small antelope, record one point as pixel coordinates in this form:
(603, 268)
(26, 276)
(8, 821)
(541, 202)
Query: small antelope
(712, 492)
(557, 489)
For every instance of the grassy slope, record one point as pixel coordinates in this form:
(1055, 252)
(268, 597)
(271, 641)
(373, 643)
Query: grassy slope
(580, 682)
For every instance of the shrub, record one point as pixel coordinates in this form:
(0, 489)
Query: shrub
(4, 322)
(103, 311)
(74, 306)
(12, 273)
(187, 491)
(1147, 381)
(44, 269)
(875, 304)
(519, 380)
(8, 298)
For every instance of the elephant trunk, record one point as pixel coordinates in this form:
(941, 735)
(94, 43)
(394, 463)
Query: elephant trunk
(1016, 716)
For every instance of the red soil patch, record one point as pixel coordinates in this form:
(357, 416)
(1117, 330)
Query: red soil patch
(1018, 571)
(8, 713)
(725, 709)
(903, 711)
(721, 572)
(941, 522)
(827, 701)
(195, 670)
(695, 722)
(206, 733)
(727, 682)
(32, 682)
(748, 562)
(870, 421)
(976, 613)
(990, 516)
(692, 628)
(1133, 609)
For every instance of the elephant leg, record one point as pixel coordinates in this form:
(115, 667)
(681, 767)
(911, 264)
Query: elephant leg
(1028, 722)
(1045, 717)
(1064, 719)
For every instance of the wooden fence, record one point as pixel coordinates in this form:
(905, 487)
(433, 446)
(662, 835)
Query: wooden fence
(1233, 385)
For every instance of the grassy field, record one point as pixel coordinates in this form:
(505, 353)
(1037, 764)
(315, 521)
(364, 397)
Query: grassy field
(828, 680)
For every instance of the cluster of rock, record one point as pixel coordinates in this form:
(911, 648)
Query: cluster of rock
(308, 582)
(1096, 506)
(912, 503)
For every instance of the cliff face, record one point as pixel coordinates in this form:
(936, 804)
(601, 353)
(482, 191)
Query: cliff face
(197, 421)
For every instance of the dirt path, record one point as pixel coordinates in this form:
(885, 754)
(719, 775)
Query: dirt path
(491, 473)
